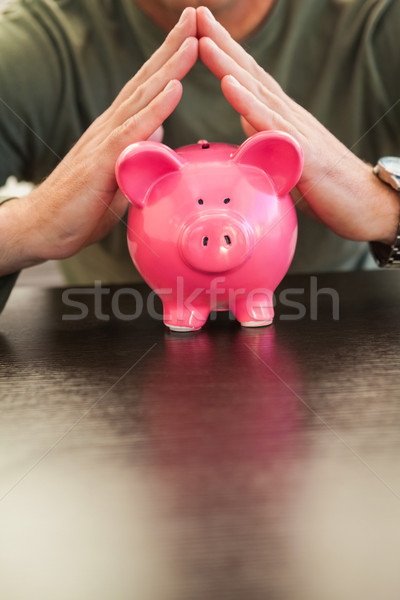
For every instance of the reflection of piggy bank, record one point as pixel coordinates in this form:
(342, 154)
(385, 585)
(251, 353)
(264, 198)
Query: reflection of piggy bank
(212, 226)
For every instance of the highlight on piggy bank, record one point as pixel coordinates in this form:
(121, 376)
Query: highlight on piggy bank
(212, 226)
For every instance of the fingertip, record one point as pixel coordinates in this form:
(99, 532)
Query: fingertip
(190, 41)
(206, 41)
(231, 80)
(231, 88)
(206, 47)
(188, 14)
(190, 51)
(205, 21)
(190, 46)
(187, 22)
(173, 86)
(172, 94)
(206, 12)
(189, 11)
(236, 93)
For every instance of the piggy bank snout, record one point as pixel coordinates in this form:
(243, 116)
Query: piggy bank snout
(215, 242)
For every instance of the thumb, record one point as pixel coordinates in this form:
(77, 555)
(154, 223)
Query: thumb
(118, 207)
(157, 135)
(300, 203)
(112, 215)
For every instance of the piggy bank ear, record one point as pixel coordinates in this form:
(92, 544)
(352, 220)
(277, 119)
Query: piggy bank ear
(277, 153)
(141, 165)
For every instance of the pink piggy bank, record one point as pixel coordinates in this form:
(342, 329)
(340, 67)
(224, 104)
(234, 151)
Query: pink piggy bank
(212, 226)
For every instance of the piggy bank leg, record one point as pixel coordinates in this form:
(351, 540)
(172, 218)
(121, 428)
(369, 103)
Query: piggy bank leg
(255, 309)
(184, 318)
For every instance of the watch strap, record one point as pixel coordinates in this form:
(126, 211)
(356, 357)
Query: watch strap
(385, 255)
(387, 170)
(389, 178)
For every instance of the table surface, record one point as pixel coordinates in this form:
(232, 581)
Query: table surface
(231, 463)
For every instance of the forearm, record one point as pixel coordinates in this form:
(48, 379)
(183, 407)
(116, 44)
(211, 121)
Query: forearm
(351, 200)
(17, 235)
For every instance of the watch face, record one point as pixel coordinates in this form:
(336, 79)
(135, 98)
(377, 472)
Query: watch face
(391, 164)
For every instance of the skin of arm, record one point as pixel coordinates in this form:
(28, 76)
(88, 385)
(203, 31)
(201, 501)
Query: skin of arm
(79, 202)
(336, 187)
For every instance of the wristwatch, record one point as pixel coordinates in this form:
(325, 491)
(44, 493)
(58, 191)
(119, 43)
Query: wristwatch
(388, 170)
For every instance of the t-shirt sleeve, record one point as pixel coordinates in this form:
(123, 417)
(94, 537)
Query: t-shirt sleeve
(30, 86)
(7, 283)
(48, 84)
(386, 67)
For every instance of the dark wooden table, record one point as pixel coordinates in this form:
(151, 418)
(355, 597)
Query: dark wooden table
(227, 464)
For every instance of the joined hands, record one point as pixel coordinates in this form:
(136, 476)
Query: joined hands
(79, 202)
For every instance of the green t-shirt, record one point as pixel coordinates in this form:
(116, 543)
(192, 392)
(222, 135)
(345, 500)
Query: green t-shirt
(64, 61)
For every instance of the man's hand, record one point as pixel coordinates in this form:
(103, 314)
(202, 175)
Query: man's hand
(80, 202)
(337, 186)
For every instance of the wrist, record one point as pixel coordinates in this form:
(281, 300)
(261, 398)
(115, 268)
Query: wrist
(379, 207)
(384, 209)
(392, 233)
(388, 201)
(391, 224)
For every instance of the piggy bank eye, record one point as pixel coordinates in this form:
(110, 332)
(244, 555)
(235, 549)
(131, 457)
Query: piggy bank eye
(227, 200)
(200, 201)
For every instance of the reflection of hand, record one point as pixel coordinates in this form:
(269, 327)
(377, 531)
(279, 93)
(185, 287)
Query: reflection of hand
(79, 202)
(339, 188)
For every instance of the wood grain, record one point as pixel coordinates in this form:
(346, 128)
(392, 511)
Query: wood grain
(229, 463)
